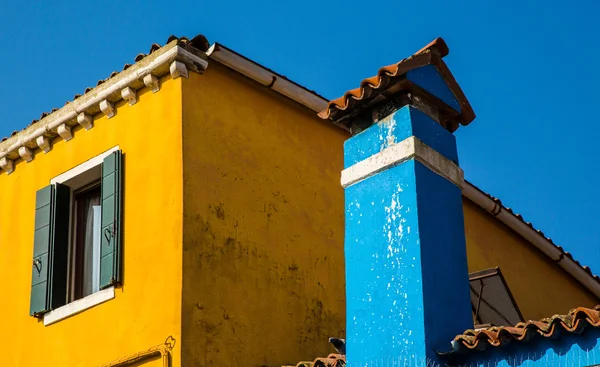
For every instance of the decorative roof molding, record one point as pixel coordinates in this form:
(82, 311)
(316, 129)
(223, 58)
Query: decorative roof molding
(64, 131)
(178, 69)
(152, 83)
(26, 154)
(129, 95)
(85, 120)
(7, 165)
(107, 108)
(170, 59)
(43, 143)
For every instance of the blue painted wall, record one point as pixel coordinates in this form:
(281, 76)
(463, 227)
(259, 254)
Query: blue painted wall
(405, 122)
(428, 78)
(406, 268)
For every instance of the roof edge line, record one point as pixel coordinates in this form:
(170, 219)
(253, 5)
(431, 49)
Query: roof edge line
(268, 78)
(549, 249)
(111, 89)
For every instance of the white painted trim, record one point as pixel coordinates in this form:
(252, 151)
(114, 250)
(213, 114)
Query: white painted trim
(130, 95)
(78, 306)
(152, 83)
(64, 131)
(178, 69)
(148, 70)
(409, 148)
(107, 108)
(7, 165)
(158, 62)
(83, 167)
(26, 154)
(85, 120)
(44, 143)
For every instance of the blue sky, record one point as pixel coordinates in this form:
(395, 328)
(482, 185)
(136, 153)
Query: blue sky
(529, 69)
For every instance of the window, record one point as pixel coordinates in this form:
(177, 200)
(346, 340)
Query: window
(491, 300)
(77, 247)
(85, 243)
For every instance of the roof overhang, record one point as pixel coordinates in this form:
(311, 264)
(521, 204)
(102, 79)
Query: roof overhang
(173, 58)
(395, 80)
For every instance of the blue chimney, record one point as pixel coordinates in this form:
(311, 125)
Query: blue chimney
(406, 266)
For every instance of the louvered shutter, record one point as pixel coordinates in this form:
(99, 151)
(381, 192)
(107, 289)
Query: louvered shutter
(110, 252)
(49, 268)
(39, 302)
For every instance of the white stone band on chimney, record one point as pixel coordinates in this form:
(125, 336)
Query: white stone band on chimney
(409, 148)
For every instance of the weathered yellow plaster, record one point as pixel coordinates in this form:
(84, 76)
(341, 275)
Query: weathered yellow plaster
(263, 226)
(540, 287)
(147, 309)
(233, 234)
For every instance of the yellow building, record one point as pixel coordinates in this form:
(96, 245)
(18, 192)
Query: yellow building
(188, 211)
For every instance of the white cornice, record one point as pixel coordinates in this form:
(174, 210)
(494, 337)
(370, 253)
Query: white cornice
(170, 59)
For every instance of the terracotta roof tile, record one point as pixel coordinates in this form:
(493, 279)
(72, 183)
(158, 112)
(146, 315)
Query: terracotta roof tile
(200, 42)
(574, 322)
(392, 79)
(332, 360)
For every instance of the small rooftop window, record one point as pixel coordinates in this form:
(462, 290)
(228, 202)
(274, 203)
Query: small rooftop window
(491, 300)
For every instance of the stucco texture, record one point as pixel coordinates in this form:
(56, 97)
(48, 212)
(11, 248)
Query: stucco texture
(540, 287)
(146, 310)
(263, 263)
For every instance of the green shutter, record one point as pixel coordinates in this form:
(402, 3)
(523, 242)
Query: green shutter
(110, 253)
(39, 302)
(59, 246)
(50, 246)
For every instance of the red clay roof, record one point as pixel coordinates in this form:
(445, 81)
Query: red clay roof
(391, 80)
(332, 360)
(573, 322)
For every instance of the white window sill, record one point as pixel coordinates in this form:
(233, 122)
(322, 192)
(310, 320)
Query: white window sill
(78, 306)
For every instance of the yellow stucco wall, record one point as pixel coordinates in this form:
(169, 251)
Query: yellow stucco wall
(233, 235)
(147, 309)
(540, 287)
(263, 226)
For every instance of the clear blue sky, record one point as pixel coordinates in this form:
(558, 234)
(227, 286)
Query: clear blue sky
(529, 68)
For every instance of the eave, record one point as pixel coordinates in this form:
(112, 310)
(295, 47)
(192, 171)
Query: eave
(173, 58)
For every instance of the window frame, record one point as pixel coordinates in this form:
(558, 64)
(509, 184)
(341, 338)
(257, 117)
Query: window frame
(488, 273)
(77, 178)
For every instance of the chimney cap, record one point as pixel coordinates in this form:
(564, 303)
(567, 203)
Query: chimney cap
(393, 80)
